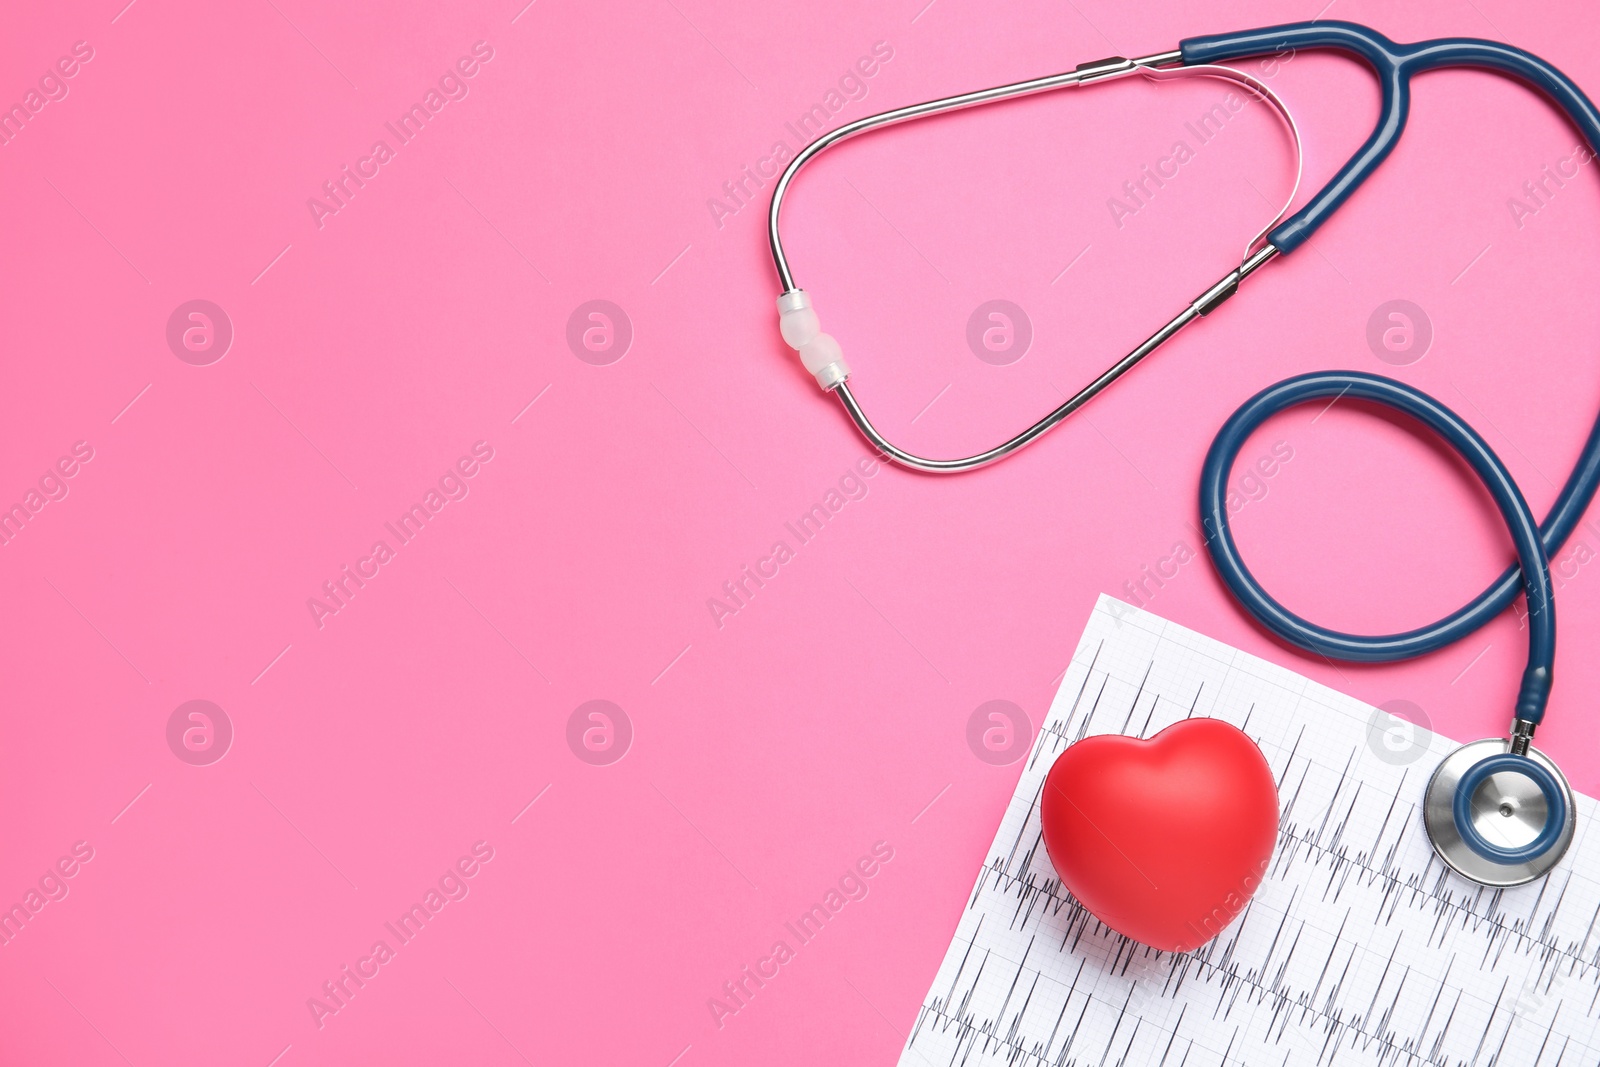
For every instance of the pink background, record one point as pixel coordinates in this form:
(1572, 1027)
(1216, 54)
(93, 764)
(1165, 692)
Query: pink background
(830, 712)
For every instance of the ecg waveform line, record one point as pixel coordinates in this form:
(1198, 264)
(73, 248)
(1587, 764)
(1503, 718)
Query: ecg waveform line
(1359, 947)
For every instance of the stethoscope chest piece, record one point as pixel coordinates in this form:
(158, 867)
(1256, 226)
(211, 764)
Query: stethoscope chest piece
(1498, 817)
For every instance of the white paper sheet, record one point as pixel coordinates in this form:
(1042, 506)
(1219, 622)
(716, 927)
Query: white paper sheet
(1359, 948)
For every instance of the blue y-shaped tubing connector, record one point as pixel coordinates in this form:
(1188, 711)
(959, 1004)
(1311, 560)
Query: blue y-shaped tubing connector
(1395, 65)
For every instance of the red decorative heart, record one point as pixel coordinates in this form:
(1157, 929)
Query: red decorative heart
(1162, 840)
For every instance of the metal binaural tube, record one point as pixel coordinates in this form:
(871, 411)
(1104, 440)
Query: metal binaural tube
(1203, 304)
(1099, 70)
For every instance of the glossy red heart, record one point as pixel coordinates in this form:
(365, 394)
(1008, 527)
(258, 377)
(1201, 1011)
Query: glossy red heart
(1164, 839)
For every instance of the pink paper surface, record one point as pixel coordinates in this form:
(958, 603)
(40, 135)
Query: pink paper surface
(369, 750)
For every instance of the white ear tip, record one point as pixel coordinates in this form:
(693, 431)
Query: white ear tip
(802, 331)
(824, 358)
(820, 351)
(799, 327)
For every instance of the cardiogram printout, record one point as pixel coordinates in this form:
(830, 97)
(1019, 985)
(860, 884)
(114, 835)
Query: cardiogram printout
(1360, 947)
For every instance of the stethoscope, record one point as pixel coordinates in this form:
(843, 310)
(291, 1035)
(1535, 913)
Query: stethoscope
(1497, 811)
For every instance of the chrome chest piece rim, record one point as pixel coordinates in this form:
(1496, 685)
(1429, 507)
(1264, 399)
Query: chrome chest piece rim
(1506, 808)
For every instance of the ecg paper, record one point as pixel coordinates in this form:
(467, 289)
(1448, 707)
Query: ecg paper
(1360, 947)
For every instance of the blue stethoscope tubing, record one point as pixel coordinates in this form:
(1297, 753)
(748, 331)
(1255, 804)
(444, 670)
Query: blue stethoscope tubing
(1395, 65)
(1533, 574)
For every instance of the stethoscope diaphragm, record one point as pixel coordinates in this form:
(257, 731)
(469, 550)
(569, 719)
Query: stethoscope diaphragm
(1497, 817)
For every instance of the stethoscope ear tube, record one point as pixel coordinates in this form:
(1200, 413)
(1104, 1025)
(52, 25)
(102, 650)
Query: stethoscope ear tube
(823, 356)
